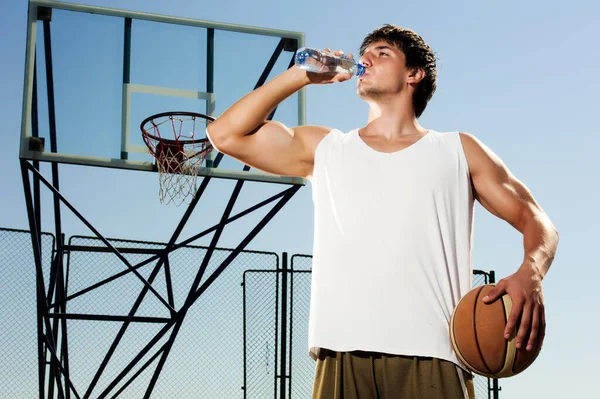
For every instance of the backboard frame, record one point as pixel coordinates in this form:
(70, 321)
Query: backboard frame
(54, 372)
(33, 152)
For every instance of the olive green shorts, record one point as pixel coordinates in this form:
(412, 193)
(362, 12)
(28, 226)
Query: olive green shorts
(370, 375)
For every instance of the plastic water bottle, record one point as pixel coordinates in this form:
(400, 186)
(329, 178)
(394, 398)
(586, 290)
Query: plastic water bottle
(313, 60)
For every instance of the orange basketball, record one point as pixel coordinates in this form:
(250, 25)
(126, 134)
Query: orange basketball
(477, 335)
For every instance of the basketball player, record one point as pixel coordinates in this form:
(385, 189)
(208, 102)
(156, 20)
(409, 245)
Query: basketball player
(393, 220)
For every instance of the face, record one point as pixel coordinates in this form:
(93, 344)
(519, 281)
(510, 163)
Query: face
(385, 71)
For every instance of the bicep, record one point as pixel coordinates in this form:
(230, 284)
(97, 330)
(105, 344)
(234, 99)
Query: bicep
(495, 187)
(275, 148)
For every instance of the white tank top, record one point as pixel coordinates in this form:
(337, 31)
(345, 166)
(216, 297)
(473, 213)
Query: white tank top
(392, 245)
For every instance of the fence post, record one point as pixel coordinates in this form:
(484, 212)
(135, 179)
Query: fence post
(495, 387)
(283, 346)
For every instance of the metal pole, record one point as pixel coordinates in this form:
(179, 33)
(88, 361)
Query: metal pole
(245, 334)
(282, 371)
(40, 294)
(276, 333)
(126, 78)
(61, 293)
(210, 60)
(38, 222)
(495, 387)
(54, 373)
(36, 164)
(210, 81)
(291, 327)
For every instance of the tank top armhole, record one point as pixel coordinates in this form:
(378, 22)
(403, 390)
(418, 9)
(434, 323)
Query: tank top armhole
(319, 150)
(461, 154)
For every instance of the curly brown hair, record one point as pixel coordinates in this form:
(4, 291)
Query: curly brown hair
(418, 55)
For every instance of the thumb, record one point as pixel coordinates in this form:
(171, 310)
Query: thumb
(495, 293)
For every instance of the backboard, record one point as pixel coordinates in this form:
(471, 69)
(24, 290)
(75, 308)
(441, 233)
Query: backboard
(93, 74)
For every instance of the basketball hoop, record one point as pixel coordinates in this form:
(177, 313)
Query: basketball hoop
(179, 153)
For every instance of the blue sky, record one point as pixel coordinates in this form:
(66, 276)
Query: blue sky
(518, 75)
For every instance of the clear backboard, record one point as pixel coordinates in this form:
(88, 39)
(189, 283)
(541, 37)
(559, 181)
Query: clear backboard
(98, 73)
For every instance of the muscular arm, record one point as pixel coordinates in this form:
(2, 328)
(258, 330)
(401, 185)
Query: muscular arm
(243, 132)
(505, 196)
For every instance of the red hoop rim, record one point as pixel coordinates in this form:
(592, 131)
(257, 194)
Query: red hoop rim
(176, 113)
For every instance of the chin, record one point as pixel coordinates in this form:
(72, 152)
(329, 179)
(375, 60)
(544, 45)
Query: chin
(368, 93)
(362, 91)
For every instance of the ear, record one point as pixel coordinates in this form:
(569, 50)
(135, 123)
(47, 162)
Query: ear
(415, 75)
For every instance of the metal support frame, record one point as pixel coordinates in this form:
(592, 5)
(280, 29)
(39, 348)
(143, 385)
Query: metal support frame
(53, 298)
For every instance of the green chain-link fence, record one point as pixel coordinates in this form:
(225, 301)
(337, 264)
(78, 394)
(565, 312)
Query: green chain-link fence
(18, 312)
(244, 337)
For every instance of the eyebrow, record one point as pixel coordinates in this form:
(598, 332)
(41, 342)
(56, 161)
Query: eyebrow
(381, 47)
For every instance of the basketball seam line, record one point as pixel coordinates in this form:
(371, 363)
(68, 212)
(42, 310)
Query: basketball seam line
(489, 370)
(459, 353)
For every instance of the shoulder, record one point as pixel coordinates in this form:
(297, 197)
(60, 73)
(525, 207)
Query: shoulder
(469, 140)
(312, 132)
(472, 145)
(479, 156)
(312, 135)
(451, 140)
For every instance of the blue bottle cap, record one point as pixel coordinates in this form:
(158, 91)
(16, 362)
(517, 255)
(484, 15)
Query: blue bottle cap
(302, 54)
(360, 69)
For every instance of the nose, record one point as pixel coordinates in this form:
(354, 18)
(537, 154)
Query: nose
(365, 60)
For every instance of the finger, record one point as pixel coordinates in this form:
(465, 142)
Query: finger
(525, 324)
(535, 327)
(513, 318)
(542, 331)
(337, 53)
(341, 77)
(495, 293)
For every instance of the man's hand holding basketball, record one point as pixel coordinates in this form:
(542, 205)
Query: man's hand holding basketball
(527, 314)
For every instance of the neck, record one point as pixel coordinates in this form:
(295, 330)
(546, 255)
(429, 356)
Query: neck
(392, 119)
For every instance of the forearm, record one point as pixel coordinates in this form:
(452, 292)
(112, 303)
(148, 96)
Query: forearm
(243, 117)
(540, 241)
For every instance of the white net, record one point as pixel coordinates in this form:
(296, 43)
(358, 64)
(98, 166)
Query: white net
(177, 179)
(178, 157)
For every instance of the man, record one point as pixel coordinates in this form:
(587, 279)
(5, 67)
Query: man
(393, 221)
